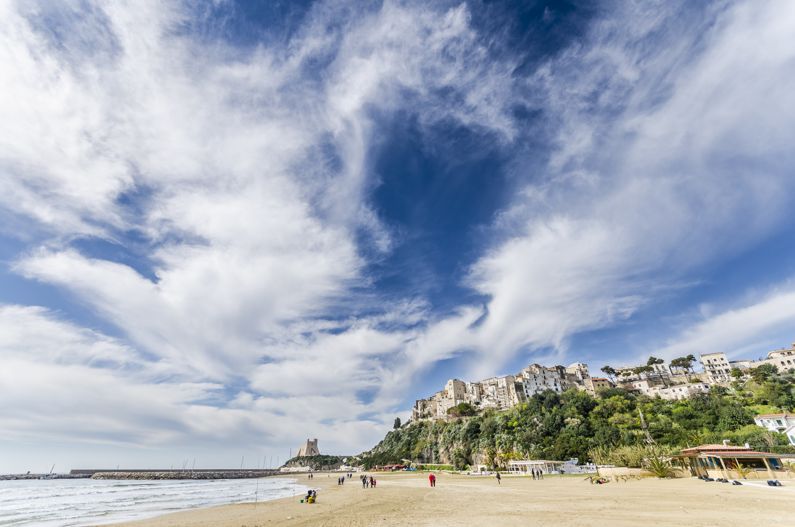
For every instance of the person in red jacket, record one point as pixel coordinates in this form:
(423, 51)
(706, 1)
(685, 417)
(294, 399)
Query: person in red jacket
(432, 480)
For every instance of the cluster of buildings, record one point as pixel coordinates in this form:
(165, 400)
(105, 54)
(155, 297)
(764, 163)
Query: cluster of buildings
(718, 368)
(656, 378)
(504, 392)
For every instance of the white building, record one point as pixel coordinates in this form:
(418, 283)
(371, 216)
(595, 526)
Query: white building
(783, 359)
(578, 371)
(784, 423)
(717, 367)
(680, 391)
(501, 392)
(536, 379)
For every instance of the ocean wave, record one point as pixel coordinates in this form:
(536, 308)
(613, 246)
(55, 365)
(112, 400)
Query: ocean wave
(74, 503)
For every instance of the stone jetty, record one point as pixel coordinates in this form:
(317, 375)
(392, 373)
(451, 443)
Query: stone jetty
(175, 474)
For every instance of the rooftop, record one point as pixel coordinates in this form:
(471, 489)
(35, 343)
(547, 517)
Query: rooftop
(716, 448)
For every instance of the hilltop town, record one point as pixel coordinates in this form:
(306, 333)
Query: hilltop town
(672, 380)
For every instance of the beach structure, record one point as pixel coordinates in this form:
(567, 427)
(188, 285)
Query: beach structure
(732, 462)
(523, 467)
(308, 449)
(783, 423)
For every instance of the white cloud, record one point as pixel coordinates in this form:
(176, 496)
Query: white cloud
(740, 332)
(673, 153)
(245, 172)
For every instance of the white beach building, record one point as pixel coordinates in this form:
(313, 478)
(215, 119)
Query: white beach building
(784, 423)
(526, 466)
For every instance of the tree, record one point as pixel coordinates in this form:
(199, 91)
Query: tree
(610, 372)
(691, 359)
(396, 425)
(651, 363)
(462, 410)
(684, 363)
(764, 372)
(654, 360)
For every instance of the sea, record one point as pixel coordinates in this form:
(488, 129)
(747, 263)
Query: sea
(79, 502)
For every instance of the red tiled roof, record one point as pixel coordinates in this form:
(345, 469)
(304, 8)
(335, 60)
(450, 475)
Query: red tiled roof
(716, 448)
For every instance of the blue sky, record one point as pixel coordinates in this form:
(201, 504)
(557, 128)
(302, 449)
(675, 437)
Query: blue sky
(229, 226)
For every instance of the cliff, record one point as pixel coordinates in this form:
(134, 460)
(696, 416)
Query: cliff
(574, 424)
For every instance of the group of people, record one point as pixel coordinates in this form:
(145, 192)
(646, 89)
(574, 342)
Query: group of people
(537, 473)
(310, 476)
(311, 496)
(368, 481)
(341, 480)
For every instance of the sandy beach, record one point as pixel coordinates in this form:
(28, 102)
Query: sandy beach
(406, 499)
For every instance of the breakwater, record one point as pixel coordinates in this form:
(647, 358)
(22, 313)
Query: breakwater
(15, 477)
(174, 474)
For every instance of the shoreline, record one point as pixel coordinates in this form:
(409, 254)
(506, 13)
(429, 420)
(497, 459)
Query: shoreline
(406, 499)
(108, 502)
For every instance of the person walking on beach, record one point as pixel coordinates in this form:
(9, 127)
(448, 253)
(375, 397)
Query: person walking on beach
(540, 474)
(432, 480)
(533, 471)
(364, 481)
(499, 478)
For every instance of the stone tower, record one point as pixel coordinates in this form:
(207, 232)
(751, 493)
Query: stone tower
(309, 449)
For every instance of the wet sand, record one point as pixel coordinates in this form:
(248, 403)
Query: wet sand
(406, 499)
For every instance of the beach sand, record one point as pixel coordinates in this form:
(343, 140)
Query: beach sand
(406, 499)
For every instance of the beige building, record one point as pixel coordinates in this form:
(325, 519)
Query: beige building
(308, 449)
(594, 385)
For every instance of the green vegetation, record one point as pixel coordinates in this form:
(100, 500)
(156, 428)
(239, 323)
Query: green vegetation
(434, 468)
(462, 410)
(574, 424)
(321, 462)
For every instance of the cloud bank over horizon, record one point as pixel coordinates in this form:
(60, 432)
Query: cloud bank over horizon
(224, 231)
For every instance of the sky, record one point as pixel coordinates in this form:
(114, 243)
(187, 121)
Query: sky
(228, 226)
